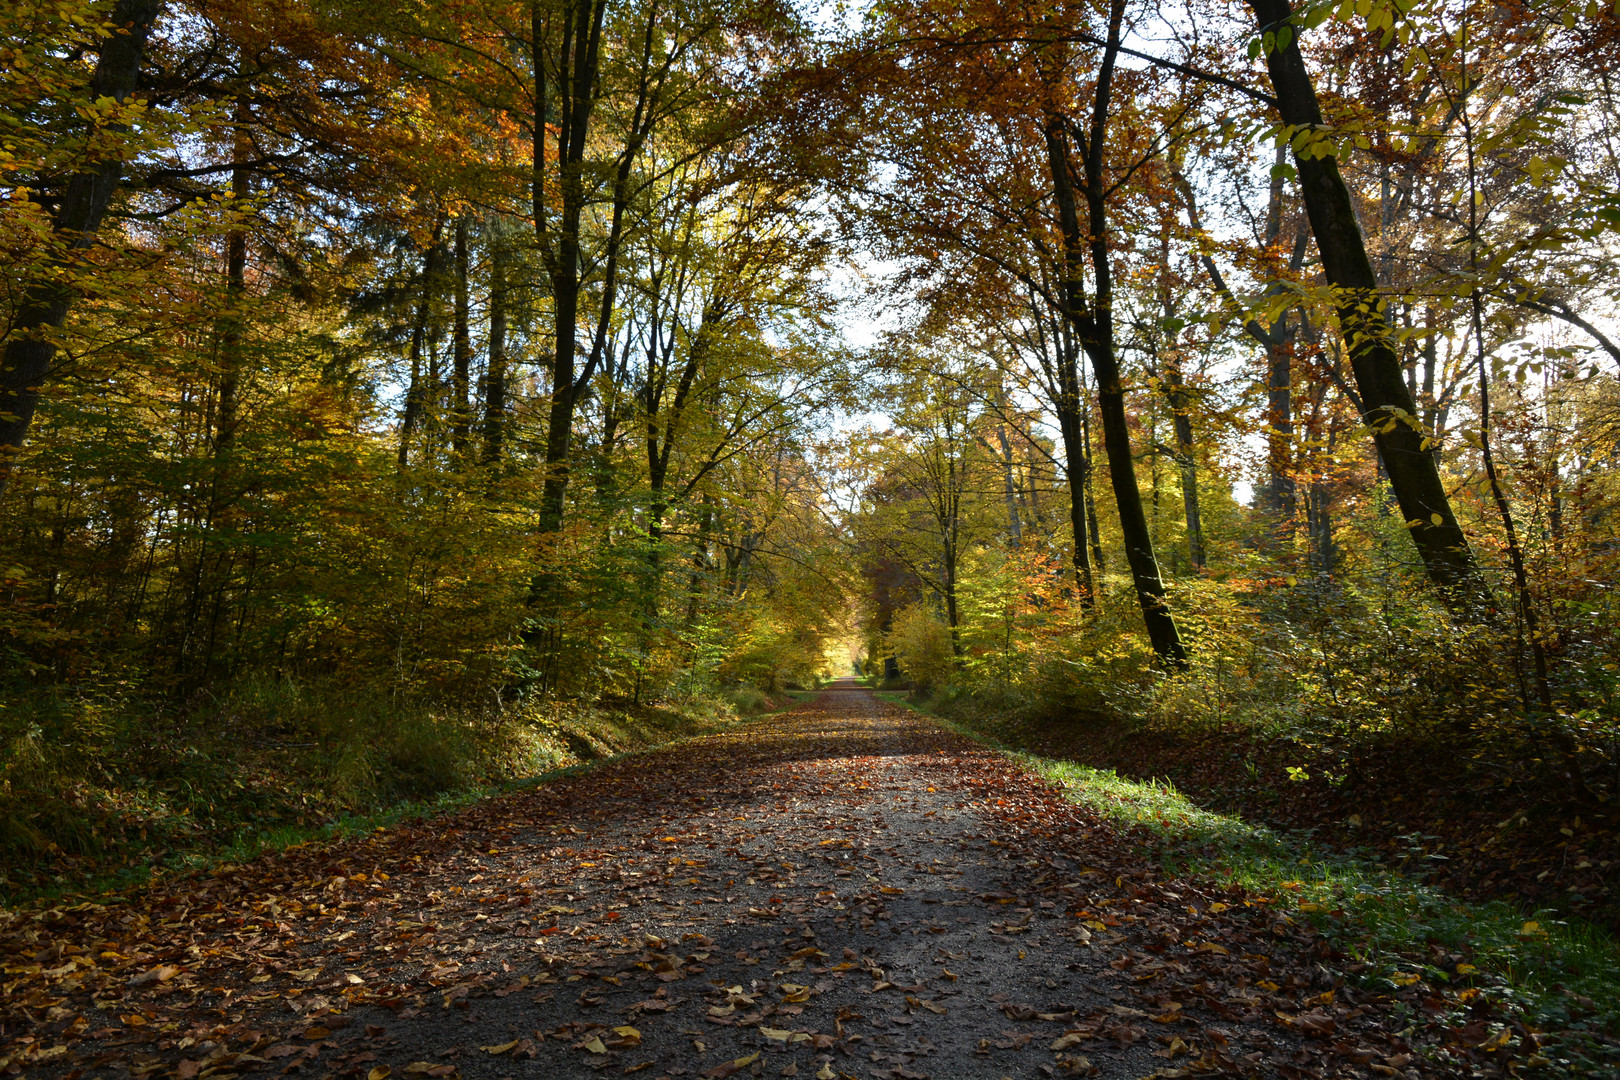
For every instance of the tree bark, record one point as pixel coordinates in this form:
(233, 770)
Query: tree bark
(415, 392)
(1093, 325)
(1386, 399)
(230, 324)
(461, 348)
(45, 304)
(494, 383)
(1186, 458)
(1009, 496)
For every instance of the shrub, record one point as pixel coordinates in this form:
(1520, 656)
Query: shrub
(922, 645)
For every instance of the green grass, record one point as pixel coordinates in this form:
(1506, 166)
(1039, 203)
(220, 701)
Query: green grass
(1561, 975)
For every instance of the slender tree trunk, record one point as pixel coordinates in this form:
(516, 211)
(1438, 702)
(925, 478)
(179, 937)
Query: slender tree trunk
(230, 325)
(416, 392)
(661, 444)
(1078, 465)
(1070, 405)
(700, 562)
(1093, 326)
(44, 305)
(494, 383)
(1521, 577)
(461, 348)
(1009, 495)
(1431, 407)
(577, 57)
(1180, 399)
(1363, 320)
(1281, 496)
(1093, 525)
(1187, 460)
(215, 567)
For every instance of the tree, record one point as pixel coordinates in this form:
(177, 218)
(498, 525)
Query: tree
(1387, 402)
(78, 202)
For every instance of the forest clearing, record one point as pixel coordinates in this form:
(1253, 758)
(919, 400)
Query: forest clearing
(1144, 476)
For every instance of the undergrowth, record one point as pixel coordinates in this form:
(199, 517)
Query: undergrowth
(1563, 975)
(103, 795)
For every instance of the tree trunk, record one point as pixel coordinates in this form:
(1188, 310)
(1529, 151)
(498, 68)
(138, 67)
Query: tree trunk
(1078, 465)
(1009, 495)
(700, 562)
(230, 324)
(1389, 409)
(416, 390)
(1186, 458)
(1072, 408)
(494, 383)
(1281, 496)
(577, 60)
(1094, 328)
(461, 348)
(45, 304)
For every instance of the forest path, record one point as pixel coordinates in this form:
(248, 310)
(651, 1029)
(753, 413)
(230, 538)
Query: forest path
(842, 890)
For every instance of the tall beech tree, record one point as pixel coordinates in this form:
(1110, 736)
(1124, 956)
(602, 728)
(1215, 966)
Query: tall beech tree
(1388, 406)
(1092, 317)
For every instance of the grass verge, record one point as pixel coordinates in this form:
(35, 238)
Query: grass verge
(1561, 976)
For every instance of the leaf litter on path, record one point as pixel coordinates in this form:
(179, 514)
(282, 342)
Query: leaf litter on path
(843, 890)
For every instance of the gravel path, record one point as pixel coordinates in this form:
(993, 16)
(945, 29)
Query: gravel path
(842, 890)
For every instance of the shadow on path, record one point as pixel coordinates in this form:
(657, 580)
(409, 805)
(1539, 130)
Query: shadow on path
(845, 889)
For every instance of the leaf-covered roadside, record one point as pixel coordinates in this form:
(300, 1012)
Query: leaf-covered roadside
(1392, 927)
(277, 765)
(1493, 833)
(843, 890)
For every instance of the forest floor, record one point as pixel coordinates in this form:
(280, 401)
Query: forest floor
(847, 889)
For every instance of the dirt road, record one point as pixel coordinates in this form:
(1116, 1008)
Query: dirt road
(845, 889)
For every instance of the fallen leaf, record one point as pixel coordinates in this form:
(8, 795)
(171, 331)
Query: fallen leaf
(161, 974)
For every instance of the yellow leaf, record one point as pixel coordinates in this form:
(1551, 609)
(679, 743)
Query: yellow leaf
(381, 1072)
(595, 1046)
(1436, 519)
(744, 1062)
(501, 1049)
